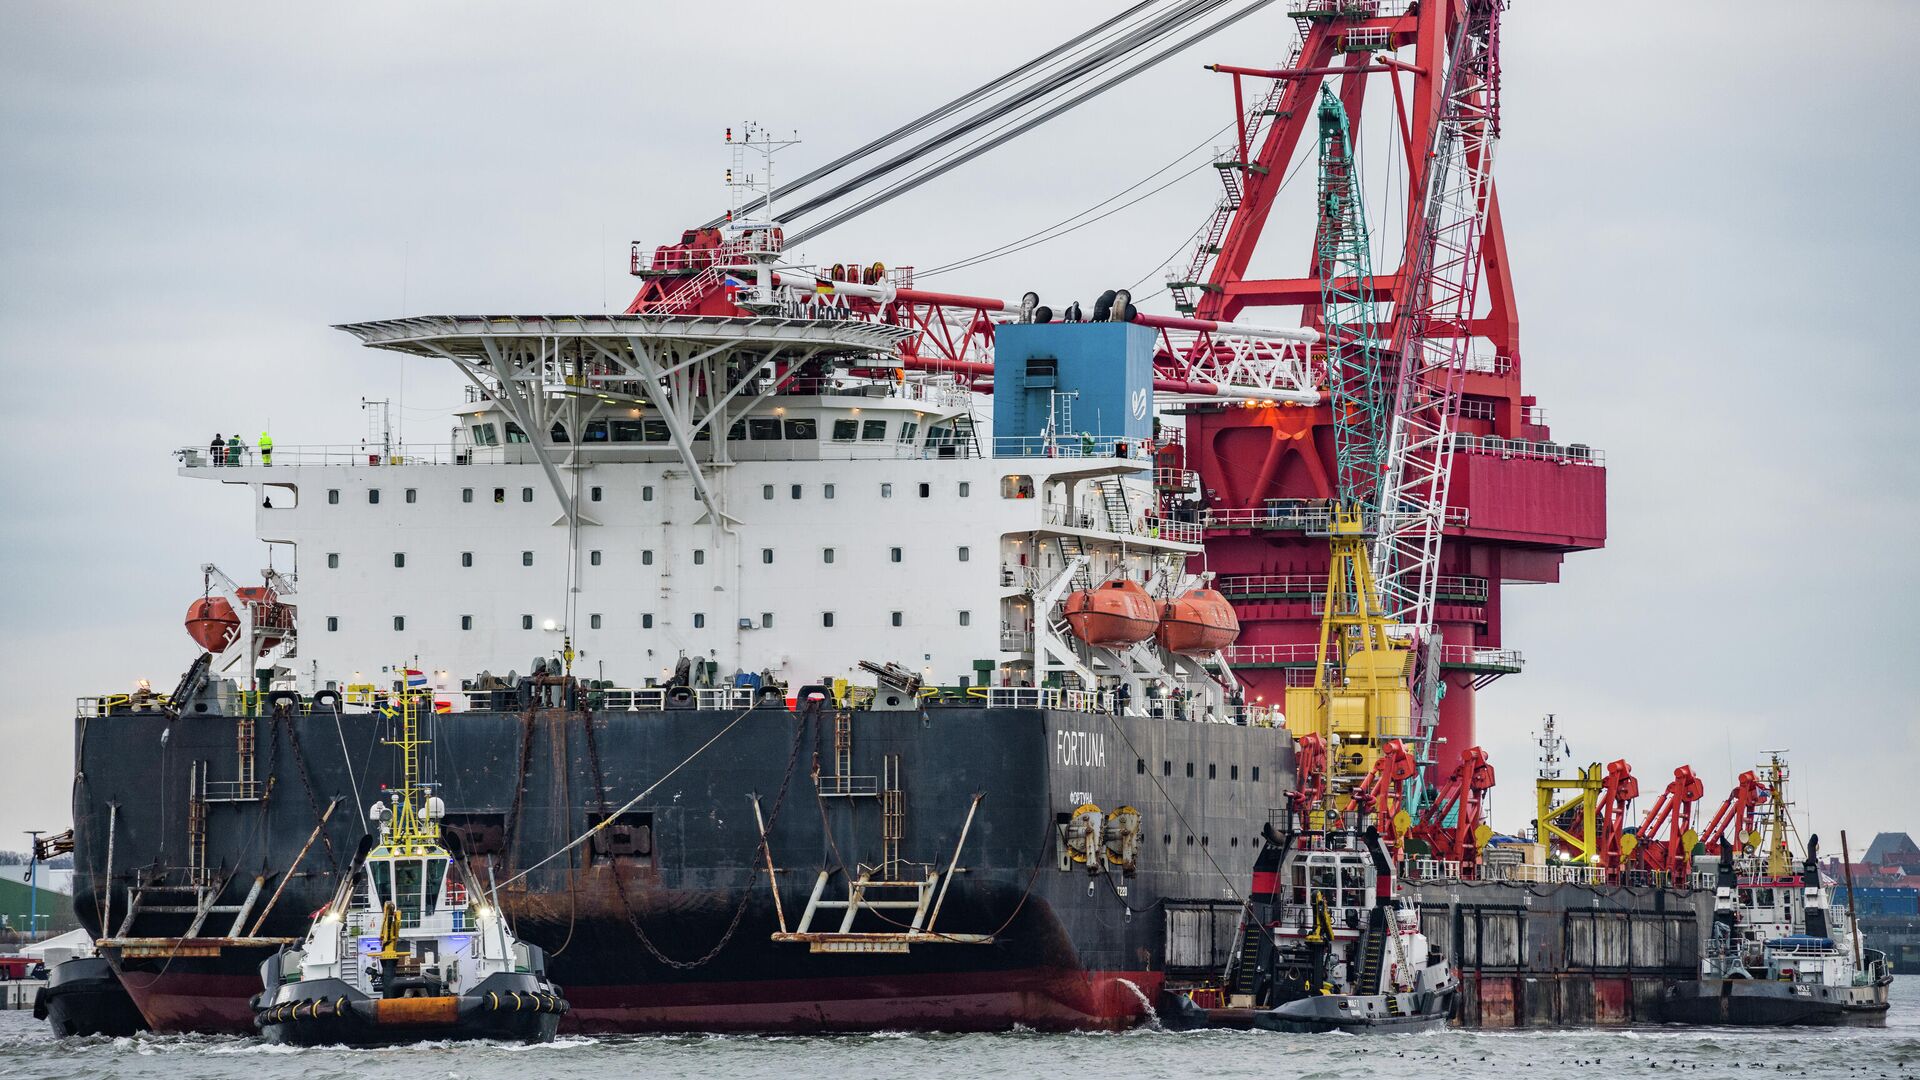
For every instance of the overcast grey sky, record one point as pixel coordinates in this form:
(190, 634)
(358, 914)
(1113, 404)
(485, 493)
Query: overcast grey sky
(1709, 208)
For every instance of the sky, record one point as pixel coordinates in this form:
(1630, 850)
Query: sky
(1711, 234)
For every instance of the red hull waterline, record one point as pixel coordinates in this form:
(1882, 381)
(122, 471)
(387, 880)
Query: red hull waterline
(1039, 998)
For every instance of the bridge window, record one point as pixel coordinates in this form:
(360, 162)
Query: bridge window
(763, 429)
(558, 432)
(595, 431)
(873, 430)
(627, 430)
(515, 434)
(803, 428)
(908, 431)
(845, 430)
(657, 431)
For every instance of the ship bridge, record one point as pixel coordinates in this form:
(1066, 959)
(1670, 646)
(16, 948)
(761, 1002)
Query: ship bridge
(696, 374)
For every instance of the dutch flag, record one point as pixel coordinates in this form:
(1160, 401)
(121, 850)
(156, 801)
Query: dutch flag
(416, 680)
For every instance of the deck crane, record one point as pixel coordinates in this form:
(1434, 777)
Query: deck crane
(1740, 813)
(1453, 825)
(1665, 840)
(1617, 793)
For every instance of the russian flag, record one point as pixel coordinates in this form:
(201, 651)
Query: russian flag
(416, 679)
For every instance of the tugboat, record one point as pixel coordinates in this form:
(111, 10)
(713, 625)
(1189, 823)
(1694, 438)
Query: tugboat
(83, 996)
(1780, 955)
(1342, 951)
(408, 949)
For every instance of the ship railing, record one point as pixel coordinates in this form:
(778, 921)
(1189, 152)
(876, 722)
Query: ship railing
(1553, 874)
(1307, 653)
(1425, 869)
(1019, 641)
(1072, 446)
(1559, 453)
(1470, 656)
(108, 704)
(1049, 697)
(1176, 479)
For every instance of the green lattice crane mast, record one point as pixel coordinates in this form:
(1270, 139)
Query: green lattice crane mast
(1345, 266)
(1361, 716)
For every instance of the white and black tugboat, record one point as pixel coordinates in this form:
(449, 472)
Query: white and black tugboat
(1342, 948)
(1781, 955)
(409, 949)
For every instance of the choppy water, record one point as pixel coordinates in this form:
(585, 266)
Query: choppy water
(26, 1050)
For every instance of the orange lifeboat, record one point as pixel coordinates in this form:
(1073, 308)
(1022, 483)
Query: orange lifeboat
(212, 623)
(1198, 622)
(1117, 614)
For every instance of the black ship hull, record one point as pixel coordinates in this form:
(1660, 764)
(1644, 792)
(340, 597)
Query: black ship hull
(1765, 1003)
(665, 920)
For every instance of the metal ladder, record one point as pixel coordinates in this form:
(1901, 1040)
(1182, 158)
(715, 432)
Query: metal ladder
(1119, 513)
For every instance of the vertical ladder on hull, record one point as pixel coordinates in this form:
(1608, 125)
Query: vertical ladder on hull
(1372, 955)
(1246, 974)
(244, 750)
(893, 816)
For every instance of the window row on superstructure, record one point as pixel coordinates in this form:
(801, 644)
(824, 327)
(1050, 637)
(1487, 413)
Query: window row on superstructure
(963, 489)
(637, 429)
(963, 553)
(596, 621)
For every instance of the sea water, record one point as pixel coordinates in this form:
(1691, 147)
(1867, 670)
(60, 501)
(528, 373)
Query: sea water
(27, 1050)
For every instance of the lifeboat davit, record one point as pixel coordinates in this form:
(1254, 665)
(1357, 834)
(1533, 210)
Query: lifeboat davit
(212, 623)
(1198, 623)
(1117, 614)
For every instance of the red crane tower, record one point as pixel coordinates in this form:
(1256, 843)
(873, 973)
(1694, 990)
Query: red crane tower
(1512, 501)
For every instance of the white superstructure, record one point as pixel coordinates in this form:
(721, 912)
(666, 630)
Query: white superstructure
(765, 495)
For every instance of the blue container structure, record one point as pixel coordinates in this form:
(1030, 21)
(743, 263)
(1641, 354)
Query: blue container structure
(1883, 900)
(1093, 381)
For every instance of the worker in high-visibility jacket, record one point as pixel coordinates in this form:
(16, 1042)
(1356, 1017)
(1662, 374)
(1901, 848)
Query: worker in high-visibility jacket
(266, 449)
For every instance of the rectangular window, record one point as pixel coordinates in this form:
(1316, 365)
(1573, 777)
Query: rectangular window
(526, 494)
(766, 620)
(657, 431)
(699, 556)
(593, 558)
(399, 560)
(526, 558)
(794, 491)
(766, 491)
(1166, 768)
(908, 430)
(646, 620)
(515, 434)
(593, 622)
(826, 618)
(627, 431)
(1233, 772)
(499, 495)
(827, 491)
(646, 493)
(399, 622)
(466, 495)
(803, 428)
(593, 494)
(1211, 771)
(413, 495)
(886, 491)
(966, 554)
(646, 557)
(873, 430)
(845, 430)
(333, 560)
(526, 622)
(966, 489)
(699, 620)
(333, 623)
(466, 558)
(373, 495)
(966, 618)
(466, 622)
(926, 491)
(763, 429)
(766, 555)
(333, 496)
(1189, 770)
(1256, 773)
(898, 618)
(595, 431)
(826, 554)
(893, 554)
